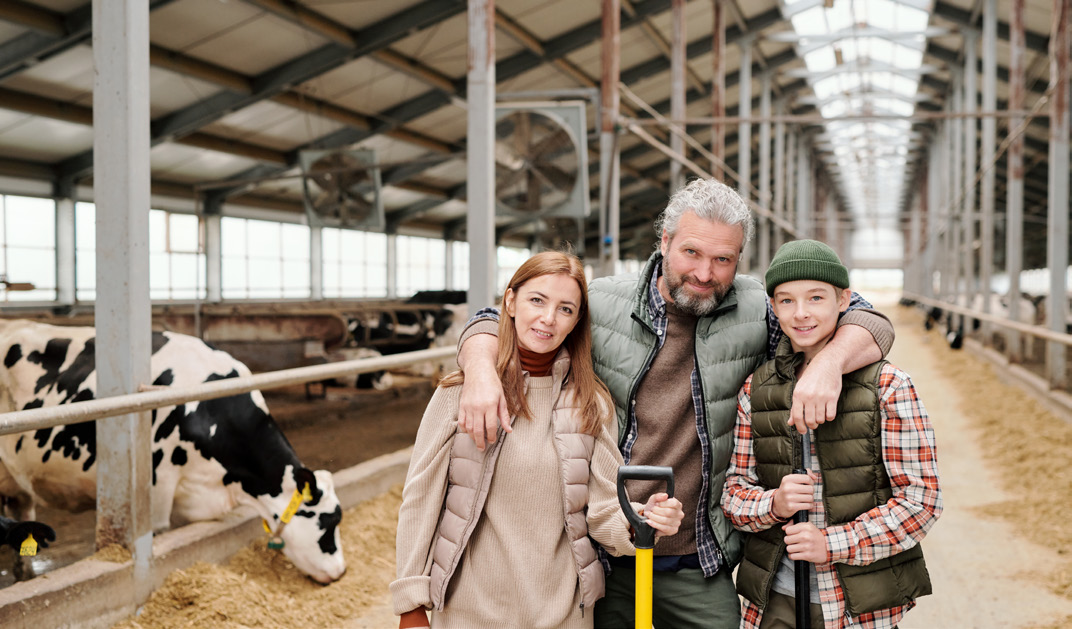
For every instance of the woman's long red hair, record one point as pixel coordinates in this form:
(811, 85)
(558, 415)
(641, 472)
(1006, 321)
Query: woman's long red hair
(590, 395)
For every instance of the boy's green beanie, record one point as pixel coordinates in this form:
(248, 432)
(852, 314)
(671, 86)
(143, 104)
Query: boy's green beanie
(806, 260)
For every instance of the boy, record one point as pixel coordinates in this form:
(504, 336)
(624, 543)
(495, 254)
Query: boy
(871, 490)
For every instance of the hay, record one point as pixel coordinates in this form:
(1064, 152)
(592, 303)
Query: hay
(114, 553)
(261, 588)
(1030, 445)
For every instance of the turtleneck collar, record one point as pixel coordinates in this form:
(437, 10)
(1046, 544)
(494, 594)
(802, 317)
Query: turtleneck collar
(536, 364)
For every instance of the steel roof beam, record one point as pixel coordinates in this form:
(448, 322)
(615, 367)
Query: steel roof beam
(1036, 42)
(51, 33)
(281, 78)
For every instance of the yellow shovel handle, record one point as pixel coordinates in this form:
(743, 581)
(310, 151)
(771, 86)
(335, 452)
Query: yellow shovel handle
(643, 587)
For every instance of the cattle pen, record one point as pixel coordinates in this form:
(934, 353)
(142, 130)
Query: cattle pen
(31, 603)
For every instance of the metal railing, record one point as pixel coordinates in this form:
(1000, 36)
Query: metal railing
(77, 412)
(1034, 330)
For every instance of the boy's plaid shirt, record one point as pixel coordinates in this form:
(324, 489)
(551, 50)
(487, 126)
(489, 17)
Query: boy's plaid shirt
(908, 452)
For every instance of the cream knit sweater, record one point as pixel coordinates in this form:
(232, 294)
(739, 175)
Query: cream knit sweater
(517, 570)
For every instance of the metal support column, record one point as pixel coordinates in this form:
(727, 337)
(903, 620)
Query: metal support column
(609, 151)
(764, 198)
(744, 110)
(986, 156)
(791, 181)
(744, 134)
(448, 265)
(1057, 196)
(122, 312)
(316, 262)
(956, 154)
(1014, 186)
(718, 85)
(392, 269)
(679, 40)
(930, 257)
(779, 175)
(971, 130)
(803, 187)
(480, 141)
(213, 259)
(65, 248)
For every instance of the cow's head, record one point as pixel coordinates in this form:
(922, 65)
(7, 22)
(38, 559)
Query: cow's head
(311, 539)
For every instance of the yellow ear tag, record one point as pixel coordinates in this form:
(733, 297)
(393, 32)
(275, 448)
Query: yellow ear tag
(267, 529)
(306, 495)
(29, 547)
(292, 508)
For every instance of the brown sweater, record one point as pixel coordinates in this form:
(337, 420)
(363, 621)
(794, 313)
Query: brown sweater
(666, 427)
(517, 570)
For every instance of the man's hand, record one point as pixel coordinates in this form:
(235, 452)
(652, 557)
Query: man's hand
(816, 395)
(804, 542)
(482, 407)
(794, 493)
(664, 514)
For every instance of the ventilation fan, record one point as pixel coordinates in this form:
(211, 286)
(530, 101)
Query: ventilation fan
(561, 234)
(342, 188)
(541, 160)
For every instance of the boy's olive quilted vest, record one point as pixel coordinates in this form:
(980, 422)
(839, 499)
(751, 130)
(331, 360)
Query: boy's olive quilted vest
(730, 343)
(854, 479)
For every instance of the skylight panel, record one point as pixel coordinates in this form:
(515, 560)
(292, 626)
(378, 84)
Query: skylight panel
(911, 18)
(834, 109)
(881, 13)
(881, 49)
(809, 22)
(905, 57)
(840, 16)
(903, 86)
(827, 87)
(820, 60)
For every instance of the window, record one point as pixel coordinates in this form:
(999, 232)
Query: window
(264, 259)
(28, 238)
(509, 259)
(460, 250)
(421, 264)
(176, 255)
(355, 263)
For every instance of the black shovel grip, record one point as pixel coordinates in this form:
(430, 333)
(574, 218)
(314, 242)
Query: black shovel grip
(802, 576)
(645, 534)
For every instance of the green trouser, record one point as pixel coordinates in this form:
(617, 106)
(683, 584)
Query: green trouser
(680, 600)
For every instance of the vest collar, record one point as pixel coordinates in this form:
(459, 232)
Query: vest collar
(786, 361)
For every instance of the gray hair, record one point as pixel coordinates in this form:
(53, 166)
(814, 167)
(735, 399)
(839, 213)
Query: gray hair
(711, 200)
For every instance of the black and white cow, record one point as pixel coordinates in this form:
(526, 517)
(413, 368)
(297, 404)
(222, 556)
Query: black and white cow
(208, 457)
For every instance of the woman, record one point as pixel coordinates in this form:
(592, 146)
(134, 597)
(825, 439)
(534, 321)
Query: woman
(499, 538)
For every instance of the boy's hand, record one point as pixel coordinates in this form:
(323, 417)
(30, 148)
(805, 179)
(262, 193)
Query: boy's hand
(793, 494)
(804, 542)
(816, 394)
(664, 514)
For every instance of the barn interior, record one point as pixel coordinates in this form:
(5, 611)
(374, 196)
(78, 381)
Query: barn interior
(301, 181)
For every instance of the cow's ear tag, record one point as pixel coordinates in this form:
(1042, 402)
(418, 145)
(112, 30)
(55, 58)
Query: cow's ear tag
(267, 529)
(29, 547)
(306, 494)
(292, 508)
(275, 543)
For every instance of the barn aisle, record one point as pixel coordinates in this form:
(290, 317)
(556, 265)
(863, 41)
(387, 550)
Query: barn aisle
(986, 571)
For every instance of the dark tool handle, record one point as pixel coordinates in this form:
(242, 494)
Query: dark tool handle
(645, 534)
(803, 576)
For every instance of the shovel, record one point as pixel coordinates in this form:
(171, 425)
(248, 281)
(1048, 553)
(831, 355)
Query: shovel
(645, 534)
(801, 571)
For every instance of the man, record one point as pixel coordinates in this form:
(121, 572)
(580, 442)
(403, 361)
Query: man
(674, 344)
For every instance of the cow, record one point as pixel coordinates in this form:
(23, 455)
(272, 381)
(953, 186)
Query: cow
(207, 457)
(25, 537)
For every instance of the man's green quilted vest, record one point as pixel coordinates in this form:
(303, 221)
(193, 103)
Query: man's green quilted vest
(730, 343)
(849, 450)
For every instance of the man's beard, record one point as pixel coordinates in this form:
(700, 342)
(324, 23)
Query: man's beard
(691, 303)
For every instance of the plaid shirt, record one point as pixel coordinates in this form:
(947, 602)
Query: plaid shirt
(908, 453)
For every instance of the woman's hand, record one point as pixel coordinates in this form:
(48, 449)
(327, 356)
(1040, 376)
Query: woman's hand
(664, 514)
